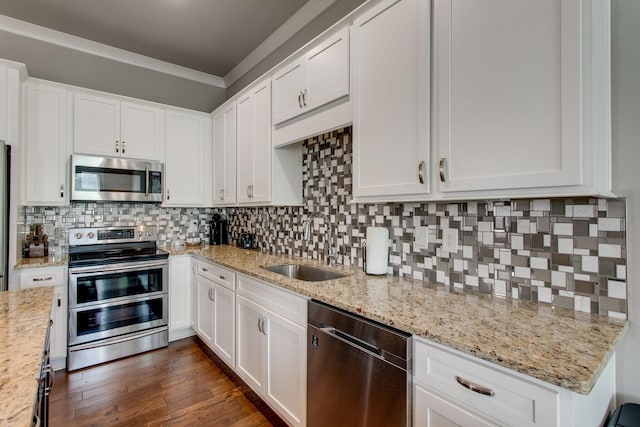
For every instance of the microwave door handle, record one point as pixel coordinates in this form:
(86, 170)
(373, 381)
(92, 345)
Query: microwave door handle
(146, 182)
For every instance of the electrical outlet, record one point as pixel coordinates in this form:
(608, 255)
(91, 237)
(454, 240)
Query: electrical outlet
(450, 240)
(421, 237)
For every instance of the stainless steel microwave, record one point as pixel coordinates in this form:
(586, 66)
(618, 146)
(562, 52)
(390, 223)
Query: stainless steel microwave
(102, 179)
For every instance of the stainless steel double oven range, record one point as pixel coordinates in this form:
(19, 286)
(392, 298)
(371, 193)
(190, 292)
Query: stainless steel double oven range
(118, 294)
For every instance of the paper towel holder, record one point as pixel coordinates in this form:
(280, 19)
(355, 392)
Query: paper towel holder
(364, 260)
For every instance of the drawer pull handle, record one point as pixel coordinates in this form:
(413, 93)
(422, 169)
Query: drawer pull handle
(222, 278)
(475, 387)
(42, 279)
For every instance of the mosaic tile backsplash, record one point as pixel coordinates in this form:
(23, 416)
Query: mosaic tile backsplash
(566, 252)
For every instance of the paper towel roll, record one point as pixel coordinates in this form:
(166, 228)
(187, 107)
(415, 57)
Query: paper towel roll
(377, 250)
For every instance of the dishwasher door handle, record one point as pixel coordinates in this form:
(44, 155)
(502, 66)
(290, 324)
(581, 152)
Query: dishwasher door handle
(350, 339)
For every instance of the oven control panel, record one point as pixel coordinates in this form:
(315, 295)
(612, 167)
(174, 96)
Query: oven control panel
(104, 235)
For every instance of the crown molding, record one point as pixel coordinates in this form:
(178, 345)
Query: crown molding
(307, 13)
(58, 38)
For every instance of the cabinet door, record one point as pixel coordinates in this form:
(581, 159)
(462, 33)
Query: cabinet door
(390, 82)
(430, 410)
(96, 125)
(254, 145)
(46, 145)
(179, 293)
(507, 93)
(58, 337)
(289, 85)
(261, 191)
(142, 132)
(205, 309)
(224, 155)
(185, 159)
(245, 136)
(224, 324)
(287, 368)
(194, 295)
(328, 71)
(250, 353)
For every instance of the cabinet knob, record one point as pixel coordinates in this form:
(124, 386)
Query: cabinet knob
(222, 278)
(421, 172)
(441, 165)
(62, 191)
(168, 194)
(122, 147)
(117, 146)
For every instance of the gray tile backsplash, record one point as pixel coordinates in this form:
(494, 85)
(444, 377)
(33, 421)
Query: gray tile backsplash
(565, 252)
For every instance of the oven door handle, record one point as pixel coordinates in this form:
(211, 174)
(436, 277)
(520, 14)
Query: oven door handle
(102, 343)
(116, 267)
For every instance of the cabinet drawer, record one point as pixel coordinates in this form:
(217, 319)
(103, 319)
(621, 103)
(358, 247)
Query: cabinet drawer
(38, 277)
(514, 399)
(286, 304)
(220, 275)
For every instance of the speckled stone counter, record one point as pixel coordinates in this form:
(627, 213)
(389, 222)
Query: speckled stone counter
(559, 346)
(24, 320)
(48, 261)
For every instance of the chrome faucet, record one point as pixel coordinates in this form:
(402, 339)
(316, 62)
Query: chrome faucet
(330, 256)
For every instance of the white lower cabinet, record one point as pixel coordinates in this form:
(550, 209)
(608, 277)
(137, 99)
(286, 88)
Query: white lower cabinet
(179, 297)
(271, 346)
(454, 389)
(57, 277)
(432, 410)
(215, 308)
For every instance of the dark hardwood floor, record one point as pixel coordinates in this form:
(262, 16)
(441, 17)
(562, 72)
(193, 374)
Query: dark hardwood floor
(179, 386)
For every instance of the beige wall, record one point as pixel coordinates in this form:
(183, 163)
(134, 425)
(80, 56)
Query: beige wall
(626, 175)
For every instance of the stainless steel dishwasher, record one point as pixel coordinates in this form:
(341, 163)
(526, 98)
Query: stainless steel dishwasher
(358, 371)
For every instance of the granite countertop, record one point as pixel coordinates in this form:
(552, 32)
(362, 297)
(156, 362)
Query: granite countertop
(562, 347)
(24, 320)
(47, 261)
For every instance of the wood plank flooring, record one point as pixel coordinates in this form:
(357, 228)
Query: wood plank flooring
(178, 386)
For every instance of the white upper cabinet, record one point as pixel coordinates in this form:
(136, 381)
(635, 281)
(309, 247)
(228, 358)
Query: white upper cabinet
(521, 97)
(254, 144)
(47, 144)
(187, 146)
(224, 155)
(141, 131)
(316, 78)
(390, 95)
(107, 126)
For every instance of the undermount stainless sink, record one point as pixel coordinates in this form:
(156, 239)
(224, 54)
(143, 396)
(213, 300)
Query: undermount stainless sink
(304, 272)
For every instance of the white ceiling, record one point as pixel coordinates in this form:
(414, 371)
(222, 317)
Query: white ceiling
(132, 47)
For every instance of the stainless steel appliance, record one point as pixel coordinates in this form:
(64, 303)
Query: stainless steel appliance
(116, 179)
(5, 175)
(358, 371)
(118, 294)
